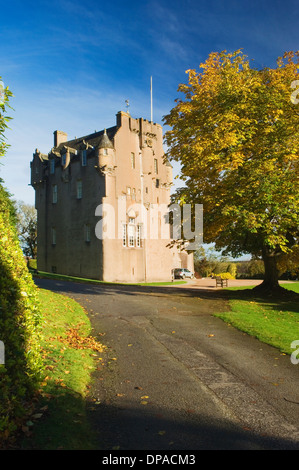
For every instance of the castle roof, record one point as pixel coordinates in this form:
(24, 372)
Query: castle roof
(101, 139)
(105, 142)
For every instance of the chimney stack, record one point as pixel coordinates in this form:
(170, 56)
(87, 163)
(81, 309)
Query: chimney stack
(59, 138)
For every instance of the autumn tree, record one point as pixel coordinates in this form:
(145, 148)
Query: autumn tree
(236, 136)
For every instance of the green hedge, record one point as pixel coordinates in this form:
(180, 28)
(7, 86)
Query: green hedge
(20, 322)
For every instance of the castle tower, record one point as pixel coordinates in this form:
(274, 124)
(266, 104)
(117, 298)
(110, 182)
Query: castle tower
(96, 197)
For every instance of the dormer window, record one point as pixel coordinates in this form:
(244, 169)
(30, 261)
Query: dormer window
(84, 157)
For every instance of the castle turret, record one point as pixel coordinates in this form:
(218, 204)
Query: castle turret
(106, 154)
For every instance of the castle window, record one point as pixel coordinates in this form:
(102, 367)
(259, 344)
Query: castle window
(54, 193)
(157, 183)
(105, 151)
(128, 190)
(146, 190)
(53, 235)
(79, 189)
(87, 233)
(132, 160)
(138, 235)
(124, 235)
(52, 166)
(155, 166)
(63, 159)
(134, 194)
(84, 158)
(131, 233)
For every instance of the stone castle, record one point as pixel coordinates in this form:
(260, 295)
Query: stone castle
(99, 200)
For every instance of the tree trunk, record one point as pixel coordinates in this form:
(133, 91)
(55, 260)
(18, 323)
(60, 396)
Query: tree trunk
(270, 282)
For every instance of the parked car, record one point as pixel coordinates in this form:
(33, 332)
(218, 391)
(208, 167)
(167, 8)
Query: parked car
(182, 273)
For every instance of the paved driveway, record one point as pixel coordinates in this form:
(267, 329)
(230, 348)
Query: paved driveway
(178, 378)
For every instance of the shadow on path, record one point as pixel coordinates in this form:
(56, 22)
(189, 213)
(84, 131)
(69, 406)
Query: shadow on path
(128, 428)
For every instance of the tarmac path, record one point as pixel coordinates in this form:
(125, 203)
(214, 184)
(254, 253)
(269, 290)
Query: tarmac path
(178, 378)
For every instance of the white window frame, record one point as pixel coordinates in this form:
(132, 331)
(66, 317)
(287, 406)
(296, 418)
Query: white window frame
(124, 235)
(131, 232)
(138, 235)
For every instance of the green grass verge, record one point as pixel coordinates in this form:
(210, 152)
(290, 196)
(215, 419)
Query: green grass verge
(273, 321)
(70, 355)
(63, 277)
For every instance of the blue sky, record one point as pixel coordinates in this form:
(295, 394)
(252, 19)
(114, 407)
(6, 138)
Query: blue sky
(71, 65)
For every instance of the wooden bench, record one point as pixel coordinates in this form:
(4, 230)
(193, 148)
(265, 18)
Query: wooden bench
(221, 282)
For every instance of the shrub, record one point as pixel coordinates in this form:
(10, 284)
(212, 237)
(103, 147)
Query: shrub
(20, 321)
(224, 275)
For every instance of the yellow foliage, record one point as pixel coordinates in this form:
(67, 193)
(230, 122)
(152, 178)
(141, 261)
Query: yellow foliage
(236, 136)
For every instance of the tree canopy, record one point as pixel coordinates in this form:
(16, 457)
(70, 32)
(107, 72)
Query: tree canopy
(236, 135)
(5, 95)
(27, 228)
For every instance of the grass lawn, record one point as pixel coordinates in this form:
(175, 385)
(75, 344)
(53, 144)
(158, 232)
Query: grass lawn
(273, 321)
(70, 355)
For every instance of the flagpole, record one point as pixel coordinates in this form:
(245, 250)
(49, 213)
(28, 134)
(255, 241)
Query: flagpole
(151, 99)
